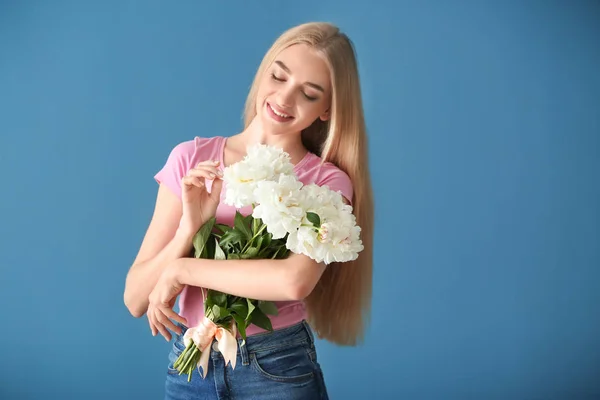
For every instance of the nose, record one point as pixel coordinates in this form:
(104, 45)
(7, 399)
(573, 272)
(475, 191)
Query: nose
(285, 97)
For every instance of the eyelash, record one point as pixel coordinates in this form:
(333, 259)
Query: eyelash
(309, 98)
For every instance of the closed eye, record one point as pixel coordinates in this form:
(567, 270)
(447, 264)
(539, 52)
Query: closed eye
(278, 79)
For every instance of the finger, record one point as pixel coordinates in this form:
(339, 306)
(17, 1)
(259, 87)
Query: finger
(192, 181)
(167, 323)
(215, 192)
(150, 324)
(174, 316)
(152, 327)
(161, 328)
(207, 172)
(208, 163)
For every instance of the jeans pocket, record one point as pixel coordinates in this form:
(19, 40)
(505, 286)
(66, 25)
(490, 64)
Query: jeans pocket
(176, 350)
(291, 364)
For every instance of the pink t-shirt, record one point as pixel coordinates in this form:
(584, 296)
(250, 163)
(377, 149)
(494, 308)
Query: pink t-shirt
(188, 154)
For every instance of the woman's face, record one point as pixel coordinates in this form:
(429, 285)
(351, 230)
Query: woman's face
(295, 91)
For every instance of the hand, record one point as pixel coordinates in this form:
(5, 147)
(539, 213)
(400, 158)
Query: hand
(161, 302)
(199, 205)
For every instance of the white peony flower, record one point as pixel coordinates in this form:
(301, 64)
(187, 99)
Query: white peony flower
(262, 163)
(273, 160)
(317, 221)
(336, 238)
(303, 241)
(279, 205)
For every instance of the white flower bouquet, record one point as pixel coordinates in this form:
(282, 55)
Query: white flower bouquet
(286, 216)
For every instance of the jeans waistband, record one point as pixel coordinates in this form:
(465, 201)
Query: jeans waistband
(298, 333)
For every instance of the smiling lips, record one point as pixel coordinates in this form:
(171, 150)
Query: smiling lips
(278, 115)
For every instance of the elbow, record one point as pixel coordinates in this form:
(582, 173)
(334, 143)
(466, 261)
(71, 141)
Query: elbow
(299, 291)
(299, 286)
(134, 309)
(302, 275)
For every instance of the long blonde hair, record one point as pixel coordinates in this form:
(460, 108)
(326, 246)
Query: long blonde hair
(340, 305)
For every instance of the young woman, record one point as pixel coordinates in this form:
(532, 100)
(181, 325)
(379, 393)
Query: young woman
(305, 99)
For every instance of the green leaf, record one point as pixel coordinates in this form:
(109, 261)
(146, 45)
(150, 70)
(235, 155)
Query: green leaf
(274, 256)
(241, 325)
(233, 256)
(216, 312)
(201, 237)
(256, 224)
(241, 226)
(261, 320)
(208, 304)
(259, 241)
(233, 236)
(223, 228)
(267, 237)
(220, 312)
(268, 307)
(248, 220)
(209, 249)
(218, 298)
(240, 308)
(251, 308)
(314, 219)
(252, 252)
(231, 299)
(219, 254)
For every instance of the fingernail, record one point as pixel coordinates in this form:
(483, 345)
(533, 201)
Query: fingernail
(220, 173)
(211, 175)
(216, 161)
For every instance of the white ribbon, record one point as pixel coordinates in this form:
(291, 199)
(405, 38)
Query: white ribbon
(203, 335)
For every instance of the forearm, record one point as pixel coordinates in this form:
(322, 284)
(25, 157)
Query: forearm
(142, 277)
(261, 279)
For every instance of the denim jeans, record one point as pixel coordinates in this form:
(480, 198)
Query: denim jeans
(278, 365)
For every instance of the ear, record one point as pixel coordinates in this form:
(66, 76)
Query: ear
(326, 115)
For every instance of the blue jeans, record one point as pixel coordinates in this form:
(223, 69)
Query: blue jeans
(278, 365)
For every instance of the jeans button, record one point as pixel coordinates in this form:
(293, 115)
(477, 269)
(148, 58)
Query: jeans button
(215, 346)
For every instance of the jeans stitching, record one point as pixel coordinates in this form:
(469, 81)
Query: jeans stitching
(177, 352)
(286, 379)
(278, 345)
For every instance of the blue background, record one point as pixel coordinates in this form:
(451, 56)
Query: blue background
(484, 131)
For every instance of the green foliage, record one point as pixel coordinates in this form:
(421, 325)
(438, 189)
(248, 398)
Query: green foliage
(246, 239)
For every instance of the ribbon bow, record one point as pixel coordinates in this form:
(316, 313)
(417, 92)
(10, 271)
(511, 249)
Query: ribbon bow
(203, 335)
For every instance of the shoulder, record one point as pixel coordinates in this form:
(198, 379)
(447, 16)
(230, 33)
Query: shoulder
(197, 148)
(184, 156)
(325, 173)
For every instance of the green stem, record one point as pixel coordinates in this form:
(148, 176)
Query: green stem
(185, 356)
(189, 360)
(262, 228)
(180, 358)
(255, 225)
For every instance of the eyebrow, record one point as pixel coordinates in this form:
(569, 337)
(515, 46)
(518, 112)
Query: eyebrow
(286, 69)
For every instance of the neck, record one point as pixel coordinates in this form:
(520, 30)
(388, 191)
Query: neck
(290, 142)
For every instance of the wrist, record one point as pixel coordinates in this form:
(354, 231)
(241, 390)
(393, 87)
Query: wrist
(174, 271)
(184, 235)
(177, 271)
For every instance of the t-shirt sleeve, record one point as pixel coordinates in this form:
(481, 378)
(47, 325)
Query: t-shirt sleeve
(338, 180)
(176, 167)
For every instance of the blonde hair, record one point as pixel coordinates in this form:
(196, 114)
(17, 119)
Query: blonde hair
(340, 305)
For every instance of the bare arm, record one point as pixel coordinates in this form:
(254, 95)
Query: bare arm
(292, 278)
(162, 244)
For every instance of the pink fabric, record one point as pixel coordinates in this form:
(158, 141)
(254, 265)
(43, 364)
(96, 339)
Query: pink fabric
(185, 156)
